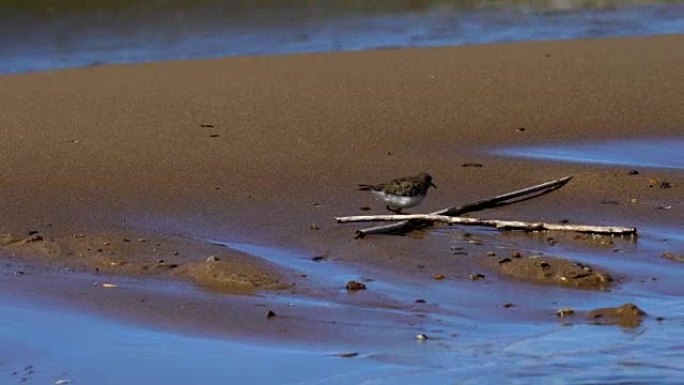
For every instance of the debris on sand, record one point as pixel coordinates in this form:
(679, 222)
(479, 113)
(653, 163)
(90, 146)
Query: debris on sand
(552, 271)
(628, 315)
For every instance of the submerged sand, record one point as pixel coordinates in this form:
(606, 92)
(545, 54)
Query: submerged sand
(133, 170)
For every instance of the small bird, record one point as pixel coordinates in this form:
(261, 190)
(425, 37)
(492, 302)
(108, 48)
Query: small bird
(401, 193)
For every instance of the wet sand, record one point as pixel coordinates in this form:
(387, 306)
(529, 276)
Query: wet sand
(150, 170)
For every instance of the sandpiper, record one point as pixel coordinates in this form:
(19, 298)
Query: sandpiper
(401, 193)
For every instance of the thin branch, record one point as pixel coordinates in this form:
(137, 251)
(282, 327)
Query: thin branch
(499, 200)
(499, 224)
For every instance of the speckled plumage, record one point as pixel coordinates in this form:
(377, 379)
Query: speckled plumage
(402, 192)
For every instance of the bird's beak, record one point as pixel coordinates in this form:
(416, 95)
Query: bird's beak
(433, 185)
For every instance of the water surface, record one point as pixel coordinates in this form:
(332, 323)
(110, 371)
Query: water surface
(42, 35)
(645, 152)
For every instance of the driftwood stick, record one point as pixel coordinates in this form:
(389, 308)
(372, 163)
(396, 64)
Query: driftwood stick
(499, 200)
(499, 224)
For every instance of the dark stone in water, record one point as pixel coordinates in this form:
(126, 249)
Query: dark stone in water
(355, 285)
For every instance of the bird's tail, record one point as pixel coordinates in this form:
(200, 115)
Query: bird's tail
(367, 187)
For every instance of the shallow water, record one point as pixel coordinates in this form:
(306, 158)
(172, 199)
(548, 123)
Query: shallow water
(36, 36)
(661, 153)
(473, 344)
(87, 349)
(468, 342)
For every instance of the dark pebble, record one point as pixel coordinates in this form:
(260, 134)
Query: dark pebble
(270, 314)
(355, 285)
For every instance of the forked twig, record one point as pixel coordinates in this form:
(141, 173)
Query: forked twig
(405, 226)
(499, 224)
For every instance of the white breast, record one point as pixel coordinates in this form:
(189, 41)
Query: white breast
(396, 201)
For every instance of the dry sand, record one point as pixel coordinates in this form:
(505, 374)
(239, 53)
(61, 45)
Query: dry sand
(128, 169)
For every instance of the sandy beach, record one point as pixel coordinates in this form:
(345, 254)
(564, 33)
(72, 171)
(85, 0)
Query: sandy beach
(167, 173)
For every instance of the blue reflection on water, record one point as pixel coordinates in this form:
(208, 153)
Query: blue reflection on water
(664, 153)
(87, 349)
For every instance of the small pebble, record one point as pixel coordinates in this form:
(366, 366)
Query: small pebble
(355, 285)
(421, 337)
(562, 313)
(508, 305)
(270, 314)
(491, 254)
(504, 260)
(633, 172)
(439, 277)
(476, 276)
(420, 300)
(212, 258)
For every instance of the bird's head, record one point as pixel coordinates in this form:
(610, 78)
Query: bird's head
(426, 178)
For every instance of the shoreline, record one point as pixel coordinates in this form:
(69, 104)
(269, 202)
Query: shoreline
(124, 172)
